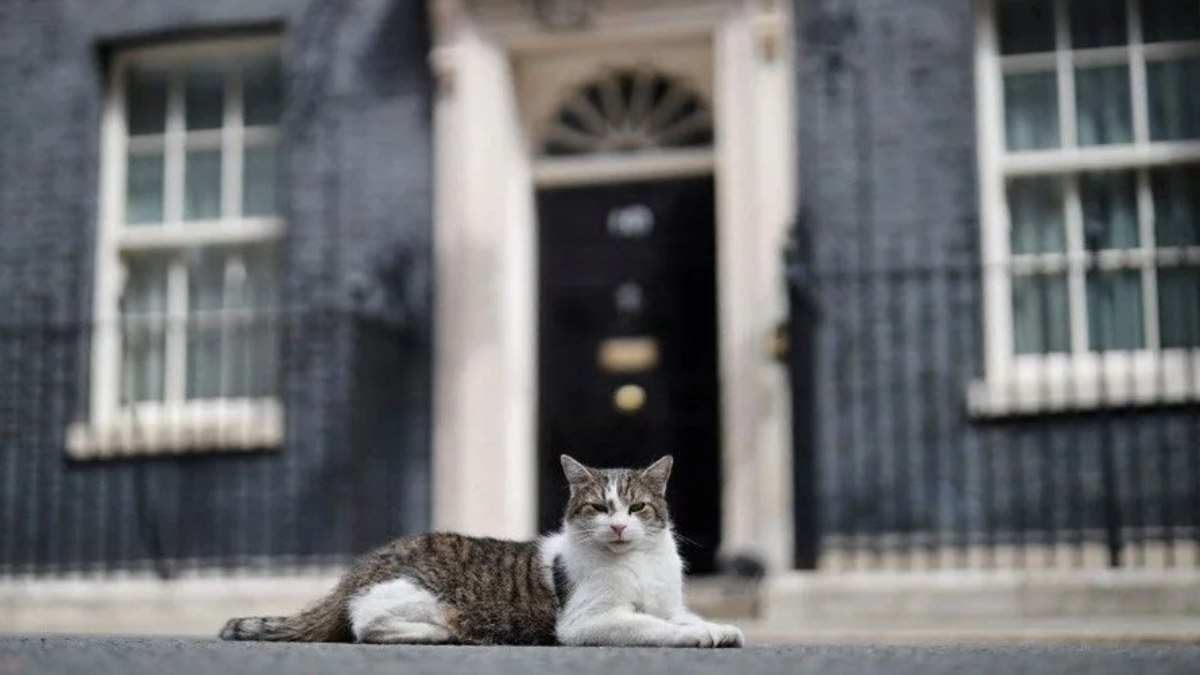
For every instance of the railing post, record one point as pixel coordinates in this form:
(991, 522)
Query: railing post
(1113, 541)
(801, 333)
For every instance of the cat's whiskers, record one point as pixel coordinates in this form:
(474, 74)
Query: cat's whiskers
(687, 540)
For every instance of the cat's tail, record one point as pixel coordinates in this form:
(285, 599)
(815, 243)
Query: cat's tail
(326, 621)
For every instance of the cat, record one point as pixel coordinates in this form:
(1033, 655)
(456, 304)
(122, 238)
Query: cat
(611, 576)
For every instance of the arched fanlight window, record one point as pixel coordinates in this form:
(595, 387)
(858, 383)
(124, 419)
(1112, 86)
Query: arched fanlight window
(628, 110)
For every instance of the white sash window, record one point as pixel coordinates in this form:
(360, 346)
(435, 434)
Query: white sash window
(1090, 161)
(185, 353)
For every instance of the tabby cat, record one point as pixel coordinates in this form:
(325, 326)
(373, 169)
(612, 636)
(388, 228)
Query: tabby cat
(611, 576)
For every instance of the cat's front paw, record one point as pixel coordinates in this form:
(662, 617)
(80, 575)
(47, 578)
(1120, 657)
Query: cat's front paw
(724, 635)
(709, 635)
(695, 635)
(731, 637)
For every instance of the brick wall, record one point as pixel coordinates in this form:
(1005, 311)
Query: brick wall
(889, 188)
(355, 465)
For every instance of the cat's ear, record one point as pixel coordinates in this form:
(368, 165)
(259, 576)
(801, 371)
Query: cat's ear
(576, 473)
(658, 473)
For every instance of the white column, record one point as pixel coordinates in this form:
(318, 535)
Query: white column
(756, 201)
(484, 470)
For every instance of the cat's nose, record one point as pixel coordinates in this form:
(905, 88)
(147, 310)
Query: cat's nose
(618, 529)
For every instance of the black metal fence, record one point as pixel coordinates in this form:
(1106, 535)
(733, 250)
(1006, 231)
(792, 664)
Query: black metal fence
(276, 439)
(915, 449)
(911, 449)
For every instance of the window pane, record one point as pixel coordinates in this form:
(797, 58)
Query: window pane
(1165, 20)
(144, 189)
(1110, 217)
(1174, 91)
(1179, 306)
(232, 345)
(145, 290)
(1115, 310)
(143, 331)
(1035, 207)
(206, 289)
(1176, 205)
(205, 97)
(254, 344)
(1098, 23)
(263, 91)
(1031, 111)
(144, 360)
(1026, 26)
(260, 290)
(1104, 113)
(146, 101)
(1041, 319)
(206, 273)
(260, 177)
(202, 185)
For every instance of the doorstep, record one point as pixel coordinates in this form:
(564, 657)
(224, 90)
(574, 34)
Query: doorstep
(984, 606)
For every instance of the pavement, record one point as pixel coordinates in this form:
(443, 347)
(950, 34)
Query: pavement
(55, 655)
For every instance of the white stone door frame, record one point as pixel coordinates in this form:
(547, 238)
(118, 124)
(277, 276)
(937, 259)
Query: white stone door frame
(485, 399)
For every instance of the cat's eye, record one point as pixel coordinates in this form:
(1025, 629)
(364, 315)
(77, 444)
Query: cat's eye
(634, 508)
(598, 508)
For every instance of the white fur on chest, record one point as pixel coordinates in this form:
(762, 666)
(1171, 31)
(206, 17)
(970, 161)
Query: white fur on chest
(648, 581)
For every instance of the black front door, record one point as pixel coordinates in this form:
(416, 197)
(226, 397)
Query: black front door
(627, 343)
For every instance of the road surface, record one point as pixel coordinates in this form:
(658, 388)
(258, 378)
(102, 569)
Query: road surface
(55, 655)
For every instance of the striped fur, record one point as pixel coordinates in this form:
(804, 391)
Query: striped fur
(492, 592)
(325, 621)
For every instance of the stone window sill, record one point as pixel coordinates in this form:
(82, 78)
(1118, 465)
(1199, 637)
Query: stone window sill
(176, 429)
(1065, 384)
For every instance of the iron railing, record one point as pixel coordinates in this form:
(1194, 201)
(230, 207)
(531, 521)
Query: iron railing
(328, 460)
(913, 452)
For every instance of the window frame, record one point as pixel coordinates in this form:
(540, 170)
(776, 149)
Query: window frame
(1015, 384)
(174, 424)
